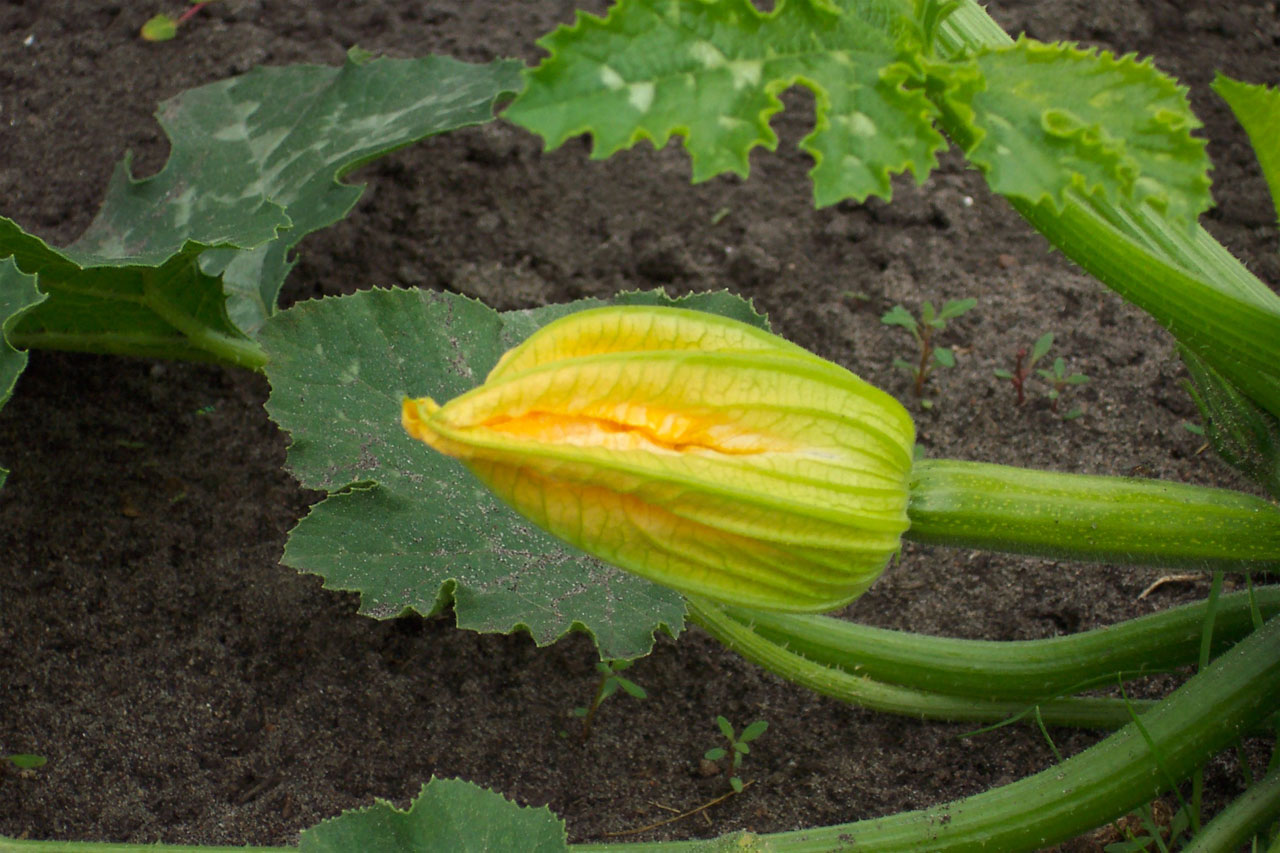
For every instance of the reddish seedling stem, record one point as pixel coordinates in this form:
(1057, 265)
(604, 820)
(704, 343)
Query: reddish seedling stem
(1020, 372)
(926, 353)
(194, 8)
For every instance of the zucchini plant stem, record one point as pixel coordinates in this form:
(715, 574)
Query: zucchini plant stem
(1091, 518)
(1026, 670)
(1210, 711)
(857, 689)
(1248, 814)
(1235, 693)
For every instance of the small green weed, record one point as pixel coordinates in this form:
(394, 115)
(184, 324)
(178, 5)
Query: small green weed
(1056, 375)
(923, 330)
(610, 682)
(1023, 365)
(737, 747)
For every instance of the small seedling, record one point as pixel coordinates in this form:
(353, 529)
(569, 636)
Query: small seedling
(610, 681)
(163, 27)
(737, 747)
(1024, 364)
(923, 330)
(1058, 377)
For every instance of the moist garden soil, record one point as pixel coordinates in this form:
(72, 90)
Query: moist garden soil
(185, 687)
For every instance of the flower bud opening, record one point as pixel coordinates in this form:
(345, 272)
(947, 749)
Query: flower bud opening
(696, 451)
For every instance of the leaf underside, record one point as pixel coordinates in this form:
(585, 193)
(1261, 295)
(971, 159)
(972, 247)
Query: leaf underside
(447, 816)
(1054, 118)
(188, 263)
(1257, 108)
(17, 292)
(408, 528)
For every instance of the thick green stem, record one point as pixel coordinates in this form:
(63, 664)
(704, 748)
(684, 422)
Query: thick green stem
(1081, 517)
(1252, 812)
(12, 845)
(1027, 670)
(1236, 693)
(1089, 712)
(209, 348)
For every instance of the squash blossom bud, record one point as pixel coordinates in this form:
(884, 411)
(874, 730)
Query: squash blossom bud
(696, 451)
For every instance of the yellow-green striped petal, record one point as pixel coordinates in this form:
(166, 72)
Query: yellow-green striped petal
(696, 451)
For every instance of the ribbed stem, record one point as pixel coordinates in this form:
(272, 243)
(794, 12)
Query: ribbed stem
(1252, 812)
(12, 845)
(1234, 694)
(1082, 517)
(1085, 712)
(1023, 670)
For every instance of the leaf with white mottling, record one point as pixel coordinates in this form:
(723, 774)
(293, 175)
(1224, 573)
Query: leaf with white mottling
(187, 263)
(712, 71)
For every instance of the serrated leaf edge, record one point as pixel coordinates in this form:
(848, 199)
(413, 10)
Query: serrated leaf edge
(1126, 63)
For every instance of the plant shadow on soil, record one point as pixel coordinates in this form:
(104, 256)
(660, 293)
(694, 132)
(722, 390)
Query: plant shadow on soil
(187, 688)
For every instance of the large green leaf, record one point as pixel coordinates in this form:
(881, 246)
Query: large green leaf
(188, 263)
(447, 816)
(712, 71)
(409, 528)
(1053, 118)
(17, 292)
(1257, 108)
(1039, 119)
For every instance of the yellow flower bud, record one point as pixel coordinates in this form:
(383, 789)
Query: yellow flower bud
(696, 451)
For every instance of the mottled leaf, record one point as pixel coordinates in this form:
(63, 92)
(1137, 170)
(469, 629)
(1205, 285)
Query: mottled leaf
(712, 72)
(281, 138)
(187, 263)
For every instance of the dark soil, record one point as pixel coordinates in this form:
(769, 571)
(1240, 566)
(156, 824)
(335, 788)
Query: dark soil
(187, 688)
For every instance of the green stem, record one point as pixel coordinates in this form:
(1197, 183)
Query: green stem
(224, 350)
(186, 337)
(1234, 694)
(1082, 517)
(237, 350)
(1252, 812)
(1026, 670)
(590, 716)
(12, 845)
(1088, 712)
